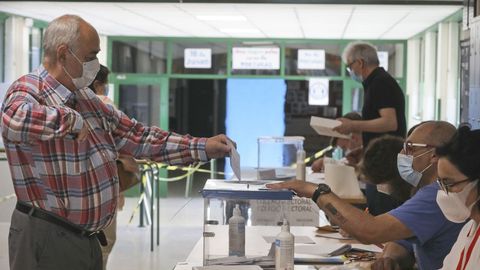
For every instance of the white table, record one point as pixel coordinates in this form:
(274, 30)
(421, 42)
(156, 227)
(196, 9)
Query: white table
(257, 246)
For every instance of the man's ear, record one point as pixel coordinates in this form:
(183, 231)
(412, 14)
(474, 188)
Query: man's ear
(61, 53)
(434, 158)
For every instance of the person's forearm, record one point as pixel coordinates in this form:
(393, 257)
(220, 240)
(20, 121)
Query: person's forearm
(25, 120)
(378, 125)
(397, 252)
(362, 226)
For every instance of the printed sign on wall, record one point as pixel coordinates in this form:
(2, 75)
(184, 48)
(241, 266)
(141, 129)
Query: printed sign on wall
(318, 93)
(197, 58)
(311, 59)
(255, 58)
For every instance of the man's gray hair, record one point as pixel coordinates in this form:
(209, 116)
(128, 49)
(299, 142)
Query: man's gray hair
(361, 50)
(62, 30)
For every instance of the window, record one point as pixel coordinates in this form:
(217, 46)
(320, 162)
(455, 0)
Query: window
(332, 60)
(264, 61)
(214, 53)
(142, 56)
(395, 56)
(35, 48)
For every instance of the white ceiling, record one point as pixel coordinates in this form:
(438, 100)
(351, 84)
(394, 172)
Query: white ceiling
(317, 21)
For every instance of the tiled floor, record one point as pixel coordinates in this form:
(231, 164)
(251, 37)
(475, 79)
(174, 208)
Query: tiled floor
(180, 229)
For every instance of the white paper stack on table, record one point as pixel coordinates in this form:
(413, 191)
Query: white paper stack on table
(324, 126)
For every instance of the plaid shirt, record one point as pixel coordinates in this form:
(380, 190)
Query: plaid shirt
(77, 180)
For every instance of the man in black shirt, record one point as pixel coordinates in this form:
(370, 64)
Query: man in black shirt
(383, 109)
(383, 104)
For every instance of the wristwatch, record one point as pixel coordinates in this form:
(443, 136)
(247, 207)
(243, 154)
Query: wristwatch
(321, 190)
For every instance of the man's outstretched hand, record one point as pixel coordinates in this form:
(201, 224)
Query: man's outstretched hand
(217, 146)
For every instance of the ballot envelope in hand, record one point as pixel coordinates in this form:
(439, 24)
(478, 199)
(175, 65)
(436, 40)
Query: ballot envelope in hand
(235, 160)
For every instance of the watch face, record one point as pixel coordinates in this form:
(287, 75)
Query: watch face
(324, 188)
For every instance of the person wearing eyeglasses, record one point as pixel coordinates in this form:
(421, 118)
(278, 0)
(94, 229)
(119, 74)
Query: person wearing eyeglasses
(458, 177)
(383, 110)
(417, 231)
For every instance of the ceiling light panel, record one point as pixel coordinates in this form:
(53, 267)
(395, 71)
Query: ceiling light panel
(326, 22)
(279, 22)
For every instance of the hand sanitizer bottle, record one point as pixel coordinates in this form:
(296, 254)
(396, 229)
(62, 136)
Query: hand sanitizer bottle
(337, 154)
(284, 248)
(236, 233)
(300, 165)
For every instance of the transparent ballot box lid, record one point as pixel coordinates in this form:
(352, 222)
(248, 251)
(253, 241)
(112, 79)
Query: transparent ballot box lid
(278, 154)
(262, 210)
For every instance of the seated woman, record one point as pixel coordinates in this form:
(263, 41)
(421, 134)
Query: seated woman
(458, 176)
(379, 167)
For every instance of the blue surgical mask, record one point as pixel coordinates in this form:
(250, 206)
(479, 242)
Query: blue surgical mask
(355, 77)
(405, 168)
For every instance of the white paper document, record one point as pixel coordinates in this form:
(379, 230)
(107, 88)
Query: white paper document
(235, 160)
(343, 181)
(324, 126)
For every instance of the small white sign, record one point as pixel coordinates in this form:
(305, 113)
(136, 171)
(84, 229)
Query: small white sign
(318, 91)
(383, 59)
(298, 211)
(256, 58)
(197, 58)
(311, 59)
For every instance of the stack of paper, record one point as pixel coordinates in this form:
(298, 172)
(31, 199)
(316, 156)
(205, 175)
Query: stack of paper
(324, 126)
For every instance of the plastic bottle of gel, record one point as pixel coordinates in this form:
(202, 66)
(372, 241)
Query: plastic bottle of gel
(236, 233)
(300, 170)
(284, 248)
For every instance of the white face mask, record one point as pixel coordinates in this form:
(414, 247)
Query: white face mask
(405, 168)
(453, 205)
(89, 72)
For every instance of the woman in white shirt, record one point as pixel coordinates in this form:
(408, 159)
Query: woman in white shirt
(459, 173)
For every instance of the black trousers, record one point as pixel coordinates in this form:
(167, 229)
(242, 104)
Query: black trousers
(37, 244)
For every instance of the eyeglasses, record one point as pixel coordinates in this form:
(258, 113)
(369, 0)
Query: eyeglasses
(445, 186)
(349, 69)
(408, 147)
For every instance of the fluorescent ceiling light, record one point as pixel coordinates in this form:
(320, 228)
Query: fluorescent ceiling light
(240, 30)
(231, 18)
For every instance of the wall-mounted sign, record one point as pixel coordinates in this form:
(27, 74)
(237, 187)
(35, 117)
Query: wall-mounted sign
(383, 59)
(255, 58)
(318, 91)
(197, 58)
(311, 59)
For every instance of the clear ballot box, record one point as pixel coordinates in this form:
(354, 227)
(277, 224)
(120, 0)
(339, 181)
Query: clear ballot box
(277, 155)
(263, 211)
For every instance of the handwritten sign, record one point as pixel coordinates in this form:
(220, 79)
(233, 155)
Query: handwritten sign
(318, 93)
(198, 58)
(383, 59)
(255, 58)
(311, 59)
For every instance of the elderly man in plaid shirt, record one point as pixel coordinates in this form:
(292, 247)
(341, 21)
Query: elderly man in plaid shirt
(62, 141)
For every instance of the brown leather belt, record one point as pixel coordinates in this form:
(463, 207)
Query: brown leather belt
(46, 216)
